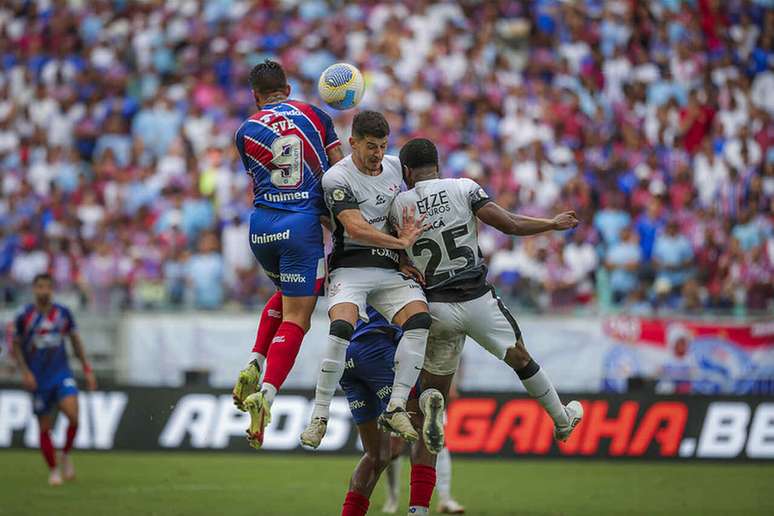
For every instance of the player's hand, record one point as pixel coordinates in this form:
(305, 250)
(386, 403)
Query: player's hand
(411, 227)
(28, 381)
(413, 273)
(91, 381)
(565, 220)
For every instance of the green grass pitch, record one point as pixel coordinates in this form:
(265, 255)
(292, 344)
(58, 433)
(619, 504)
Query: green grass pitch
(117, 484)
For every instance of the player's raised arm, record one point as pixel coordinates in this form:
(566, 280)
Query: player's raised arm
(522, 225)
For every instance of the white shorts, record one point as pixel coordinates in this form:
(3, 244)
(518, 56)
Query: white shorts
(386, 290)
(485, 319)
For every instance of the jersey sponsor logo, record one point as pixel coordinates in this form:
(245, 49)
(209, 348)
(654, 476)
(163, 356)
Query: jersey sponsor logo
(349, 364)
(384, 392)
(267, 238)
(437, 224)
(434, 204)
(377, 219)
(286, 197)
(357, 404)
(292, 277)
(385, 253)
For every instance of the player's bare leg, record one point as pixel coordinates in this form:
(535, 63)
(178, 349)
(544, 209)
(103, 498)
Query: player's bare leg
(343, 317)
(69, 407)
(249, 377)
(415, 320)
(379, 451)
(296, 320)
(392, 478)
(539, 386)
(47, 449)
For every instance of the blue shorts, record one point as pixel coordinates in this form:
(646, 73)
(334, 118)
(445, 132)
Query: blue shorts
(289, 246)
(368, 375)
(45, 399)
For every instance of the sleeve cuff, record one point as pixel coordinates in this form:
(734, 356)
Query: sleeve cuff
(480, 203)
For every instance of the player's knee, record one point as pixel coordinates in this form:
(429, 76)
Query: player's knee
(420, 321)
(342, 329)
(517, 357)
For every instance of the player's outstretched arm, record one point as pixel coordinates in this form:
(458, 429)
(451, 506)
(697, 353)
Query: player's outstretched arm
(359, 229)
(91, 381)
(521, 225)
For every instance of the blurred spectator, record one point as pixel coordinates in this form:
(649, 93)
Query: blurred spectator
(623, 259)
(672, 256)
(204, 272)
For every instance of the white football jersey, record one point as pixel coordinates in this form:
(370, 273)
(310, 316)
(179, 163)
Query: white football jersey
(345, 187)
(447, 253)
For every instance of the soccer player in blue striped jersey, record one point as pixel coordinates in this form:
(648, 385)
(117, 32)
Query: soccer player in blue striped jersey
(285, 147)
(40, 331)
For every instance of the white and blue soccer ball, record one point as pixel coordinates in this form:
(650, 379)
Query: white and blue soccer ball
(341, 86)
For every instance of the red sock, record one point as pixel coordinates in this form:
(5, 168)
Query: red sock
(47, 448)
(282, 353)
(355, 504)
(71, 431)
(422, 485)
(271, 318)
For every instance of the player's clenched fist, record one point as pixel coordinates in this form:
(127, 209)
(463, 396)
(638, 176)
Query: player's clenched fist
(565, 220)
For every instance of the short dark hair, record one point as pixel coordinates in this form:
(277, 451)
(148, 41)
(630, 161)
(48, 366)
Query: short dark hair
(370, 123)
(267, 77)
(417, 153)
(42, 276)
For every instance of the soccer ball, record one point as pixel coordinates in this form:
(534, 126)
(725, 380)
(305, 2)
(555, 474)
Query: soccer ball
(341, 86)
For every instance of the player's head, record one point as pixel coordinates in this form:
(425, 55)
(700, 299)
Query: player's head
(269, 82)
(419, 161)
(43, 288)
(369, 140)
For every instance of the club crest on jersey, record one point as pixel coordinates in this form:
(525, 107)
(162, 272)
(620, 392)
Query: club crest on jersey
(380, 199)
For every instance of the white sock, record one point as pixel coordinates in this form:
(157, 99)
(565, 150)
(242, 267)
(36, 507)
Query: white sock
(443, 474)
(409, 358)
(393, 478)
(416, 509)
(540, 387)
(331, 370)
(259, 359)
(269, 392)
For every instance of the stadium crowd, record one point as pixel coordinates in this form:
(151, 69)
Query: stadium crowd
(653, 120)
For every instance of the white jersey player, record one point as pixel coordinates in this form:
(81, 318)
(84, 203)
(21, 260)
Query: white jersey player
(461, 301)
(364, 269)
